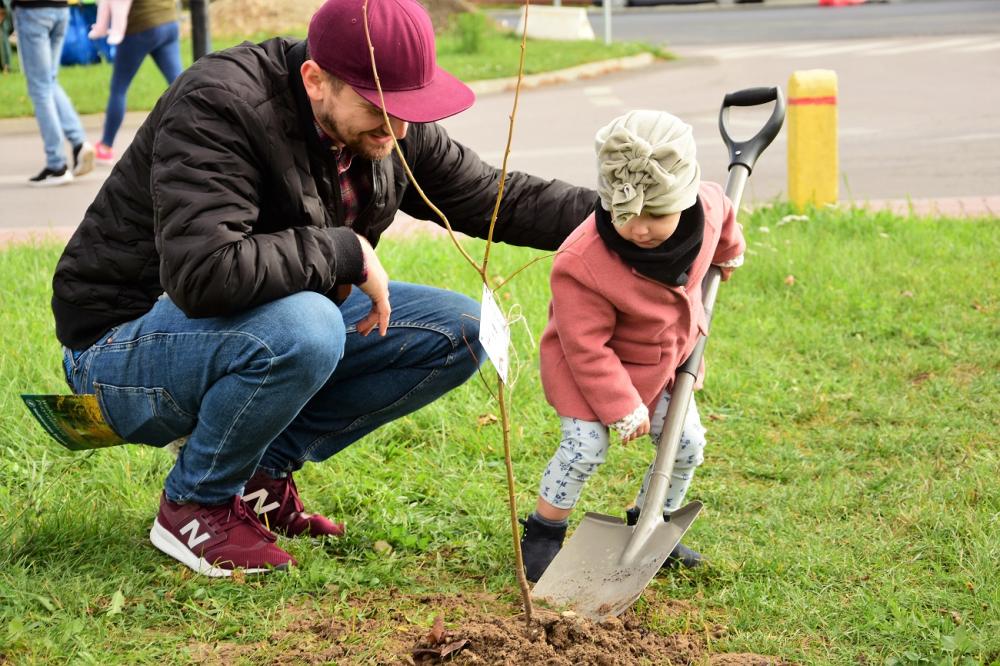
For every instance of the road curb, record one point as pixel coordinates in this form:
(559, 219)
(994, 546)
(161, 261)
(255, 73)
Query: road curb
(957, 207)
(26, 125)
(986, 208)
(586, 71)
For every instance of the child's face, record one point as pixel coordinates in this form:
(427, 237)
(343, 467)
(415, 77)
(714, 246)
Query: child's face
(647, 230)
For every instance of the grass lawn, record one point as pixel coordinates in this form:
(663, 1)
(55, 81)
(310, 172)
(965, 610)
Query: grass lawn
(471, 54)
(850, 483)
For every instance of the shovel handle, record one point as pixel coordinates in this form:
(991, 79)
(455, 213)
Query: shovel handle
(709, 290)
(746, 152)
(743, 155)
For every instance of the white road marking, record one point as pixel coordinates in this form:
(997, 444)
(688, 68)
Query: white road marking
(830, 49)
(606, 101)
(932, 45)
(985, 136)
(979, 48)
(602, 96)
(968, 44)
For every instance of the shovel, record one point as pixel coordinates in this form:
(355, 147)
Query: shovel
(606, 564)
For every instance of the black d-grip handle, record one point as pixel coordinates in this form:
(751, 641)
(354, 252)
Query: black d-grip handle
(746, 152)
(751, 97)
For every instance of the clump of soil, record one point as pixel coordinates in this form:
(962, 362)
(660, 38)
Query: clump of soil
(565, 640)
(243, 18)
(483, 628)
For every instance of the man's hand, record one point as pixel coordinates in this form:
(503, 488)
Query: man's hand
(726, 273)
(643, 429)
(376, 287)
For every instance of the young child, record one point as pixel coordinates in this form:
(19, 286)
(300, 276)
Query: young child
(112, 19)
(626, 312)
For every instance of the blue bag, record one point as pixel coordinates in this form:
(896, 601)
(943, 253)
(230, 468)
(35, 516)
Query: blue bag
(78, 49)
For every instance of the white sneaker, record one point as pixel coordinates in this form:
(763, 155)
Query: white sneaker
(83, 158)
(51, 177)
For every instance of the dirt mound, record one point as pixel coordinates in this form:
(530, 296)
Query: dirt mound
(243, 18)
(480, 630)
(564, 640)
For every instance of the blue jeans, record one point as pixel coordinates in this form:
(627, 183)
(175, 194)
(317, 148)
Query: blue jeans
(40, 35)
(276, 386)
(162, 44)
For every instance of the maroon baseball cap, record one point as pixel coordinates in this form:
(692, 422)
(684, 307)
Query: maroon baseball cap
(414, 87)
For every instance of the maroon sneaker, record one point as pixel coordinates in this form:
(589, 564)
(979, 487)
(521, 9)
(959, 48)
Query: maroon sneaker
(277, 503)
(216, 540)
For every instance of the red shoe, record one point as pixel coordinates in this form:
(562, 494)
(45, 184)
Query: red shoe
(216, 540)
(277, 503)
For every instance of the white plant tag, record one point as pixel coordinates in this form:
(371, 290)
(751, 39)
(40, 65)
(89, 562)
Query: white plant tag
(494, 333)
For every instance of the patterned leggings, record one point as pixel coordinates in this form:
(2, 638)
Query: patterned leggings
(584, 447)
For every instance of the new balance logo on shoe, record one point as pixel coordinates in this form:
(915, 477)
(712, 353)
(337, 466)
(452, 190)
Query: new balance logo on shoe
(286, 513)
(256, 501)
(194, 538)
(216, 540)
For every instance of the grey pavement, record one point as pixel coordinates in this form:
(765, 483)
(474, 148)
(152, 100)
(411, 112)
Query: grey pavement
(26, 211)
(25, 208)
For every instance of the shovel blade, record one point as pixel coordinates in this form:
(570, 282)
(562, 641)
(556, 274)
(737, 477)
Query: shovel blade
(588, 575)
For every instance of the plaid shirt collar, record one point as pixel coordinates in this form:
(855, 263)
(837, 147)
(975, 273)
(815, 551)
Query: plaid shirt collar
(349, 197)
(344, 156)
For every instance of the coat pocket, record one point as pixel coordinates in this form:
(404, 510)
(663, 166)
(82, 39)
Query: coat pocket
(143, 415)
(638, 353)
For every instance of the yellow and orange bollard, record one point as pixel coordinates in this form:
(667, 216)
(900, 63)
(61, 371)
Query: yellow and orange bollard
(813, 163)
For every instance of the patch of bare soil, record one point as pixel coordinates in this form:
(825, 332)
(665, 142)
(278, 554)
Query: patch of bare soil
(469, 629)
(564, 639)
(242, 18)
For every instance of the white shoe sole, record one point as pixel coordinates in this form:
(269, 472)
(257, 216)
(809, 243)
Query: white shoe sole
(55, 181)
(168, 543)
(85, 160)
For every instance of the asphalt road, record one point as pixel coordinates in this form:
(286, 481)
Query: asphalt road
(793, 20)
(918, 95)
(919, 115)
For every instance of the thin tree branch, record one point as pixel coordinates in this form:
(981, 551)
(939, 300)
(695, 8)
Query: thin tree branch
(402, 158)
(510, 139)
(481, 269)
(479, 368)
(504, 416)
(512, 502)
(503, 283)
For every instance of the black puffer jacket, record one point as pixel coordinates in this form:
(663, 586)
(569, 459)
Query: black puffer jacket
(225, 200)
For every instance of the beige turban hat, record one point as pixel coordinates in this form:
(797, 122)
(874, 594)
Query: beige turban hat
(646, 161)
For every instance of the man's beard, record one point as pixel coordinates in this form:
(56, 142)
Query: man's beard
(356, 144)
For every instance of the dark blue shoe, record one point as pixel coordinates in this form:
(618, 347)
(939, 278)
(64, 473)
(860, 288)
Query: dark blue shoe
(680, 556)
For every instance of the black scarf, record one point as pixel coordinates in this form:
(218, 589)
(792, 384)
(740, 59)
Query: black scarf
(668, 262)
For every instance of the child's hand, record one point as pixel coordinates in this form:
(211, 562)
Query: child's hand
(727, 267)
(643, 429)
(632, 426)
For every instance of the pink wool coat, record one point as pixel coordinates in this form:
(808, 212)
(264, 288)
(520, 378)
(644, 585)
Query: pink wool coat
(615, 338)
